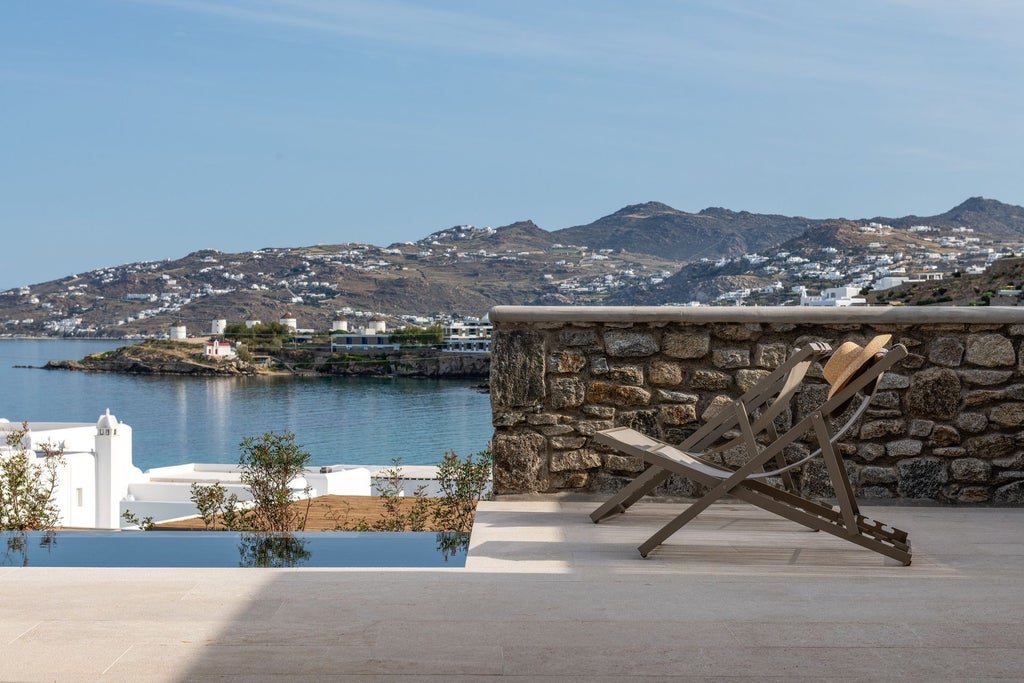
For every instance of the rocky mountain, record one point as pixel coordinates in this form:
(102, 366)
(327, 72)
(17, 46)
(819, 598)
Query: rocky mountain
(643, 254)
(832, 253)
(987, 216)
(658, 229)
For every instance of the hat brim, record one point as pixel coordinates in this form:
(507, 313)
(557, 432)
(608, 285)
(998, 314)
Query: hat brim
(866, 354)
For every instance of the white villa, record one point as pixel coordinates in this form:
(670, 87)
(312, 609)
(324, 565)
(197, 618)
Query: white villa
(834, 296)
(890, 281)
(99, 481)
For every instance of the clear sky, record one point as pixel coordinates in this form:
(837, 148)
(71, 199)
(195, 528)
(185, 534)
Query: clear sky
(146, 129)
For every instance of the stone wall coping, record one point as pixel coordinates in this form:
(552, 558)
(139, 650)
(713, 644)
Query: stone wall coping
(885, 315)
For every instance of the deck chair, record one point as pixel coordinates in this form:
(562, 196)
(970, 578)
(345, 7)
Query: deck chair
(750, 424)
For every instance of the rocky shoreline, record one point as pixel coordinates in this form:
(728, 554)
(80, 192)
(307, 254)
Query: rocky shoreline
(184, 359)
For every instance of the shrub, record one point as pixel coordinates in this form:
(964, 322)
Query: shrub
(209, 500)
(144, 524)
(27, 488)
(269, 463)
(462, 484)
(393, 519)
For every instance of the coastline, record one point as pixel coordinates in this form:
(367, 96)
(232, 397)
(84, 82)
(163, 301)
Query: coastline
(181, 419)
(186, 359)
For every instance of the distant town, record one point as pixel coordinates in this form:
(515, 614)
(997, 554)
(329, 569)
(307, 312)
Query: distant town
(891, 257)
(649, 254)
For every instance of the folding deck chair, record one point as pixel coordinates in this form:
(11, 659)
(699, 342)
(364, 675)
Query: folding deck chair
(750, 424)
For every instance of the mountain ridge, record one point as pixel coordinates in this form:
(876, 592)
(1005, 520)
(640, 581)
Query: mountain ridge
(646, 253)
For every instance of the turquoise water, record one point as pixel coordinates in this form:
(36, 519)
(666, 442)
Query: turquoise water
(339, 420)
(231, 549)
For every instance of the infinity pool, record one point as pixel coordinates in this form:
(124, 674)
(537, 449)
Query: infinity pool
(231, 549)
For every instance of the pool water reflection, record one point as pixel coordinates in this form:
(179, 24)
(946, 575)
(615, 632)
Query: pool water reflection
(232, 549)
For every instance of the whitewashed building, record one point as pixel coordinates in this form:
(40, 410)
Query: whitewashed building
(97, 467)
(99, 482)
(214, 348)
(833, 296)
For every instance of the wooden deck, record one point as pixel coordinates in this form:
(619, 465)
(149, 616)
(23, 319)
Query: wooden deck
(326, 513)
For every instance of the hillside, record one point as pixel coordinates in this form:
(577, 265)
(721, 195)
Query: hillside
(642, 254)
(828, 254)
(655, 228)
(1001, 285)
(987, 216)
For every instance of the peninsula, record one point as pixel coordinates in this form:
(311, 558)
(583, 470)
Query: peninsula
(167, 357)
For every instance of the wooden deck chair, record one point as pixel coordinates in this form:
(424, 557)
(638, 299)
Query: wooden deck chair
(750, 425)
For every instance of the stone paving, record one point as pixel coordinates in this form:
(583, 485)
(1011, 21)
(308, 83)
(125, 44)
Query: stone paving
(548, 596)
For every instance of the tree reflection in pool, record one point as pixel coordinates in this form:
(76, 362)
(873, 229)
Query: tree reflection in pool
(232, 549)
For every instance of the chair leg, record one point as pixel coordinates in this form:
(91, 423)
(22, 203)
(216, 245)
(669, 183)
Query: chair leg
(866, 533)
(646, 482)
(837, 473)
(676, 524)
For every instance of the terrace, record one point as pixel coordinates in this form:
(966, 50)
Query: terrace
(547, 595)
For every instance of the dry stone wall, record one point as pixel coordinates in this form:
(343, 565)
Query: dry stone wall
(946, 425)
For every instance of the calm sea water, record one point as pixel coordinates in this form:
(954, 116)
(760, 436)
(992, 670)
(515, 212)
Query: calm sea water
(186, 419)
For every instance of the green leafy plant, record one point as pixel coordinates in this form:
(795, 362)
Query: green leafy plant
(213, 503)
(209, 501)
(389, 484)
(418, 516)
(234, 516)
(27, 488)
(418, 337)
(462, 483)
(269, 464)
(144, 524)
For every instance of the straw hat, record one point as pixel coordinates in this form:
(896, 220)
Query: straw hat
(849, 359)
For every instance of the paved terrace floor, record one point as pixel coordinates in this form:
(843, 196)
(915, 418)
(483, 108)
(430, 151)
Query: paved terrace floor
(548, 596)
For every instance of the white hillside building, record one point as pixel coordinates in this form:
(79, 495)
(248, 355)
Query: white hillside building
(834, 296)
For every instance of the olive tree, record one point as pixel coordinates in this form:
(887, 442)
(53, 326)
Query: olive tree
(27, 488)
(269, 464)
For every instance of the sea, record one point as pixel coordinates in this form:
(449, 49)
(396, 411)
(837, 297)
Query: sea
(175, 420)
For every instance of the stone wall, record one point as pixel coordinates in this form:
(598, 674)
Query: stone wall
(947, 425)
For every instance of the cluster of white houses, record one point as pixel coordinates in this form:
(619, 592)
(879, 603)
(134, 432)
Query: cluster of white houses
(98, 482)
(468, 335)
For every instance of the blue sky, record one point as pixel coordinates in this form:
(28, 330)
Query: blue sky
(146, 129)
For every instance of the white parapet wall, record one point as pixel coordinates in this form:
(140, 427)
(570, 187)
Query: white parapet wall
(164, 493)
